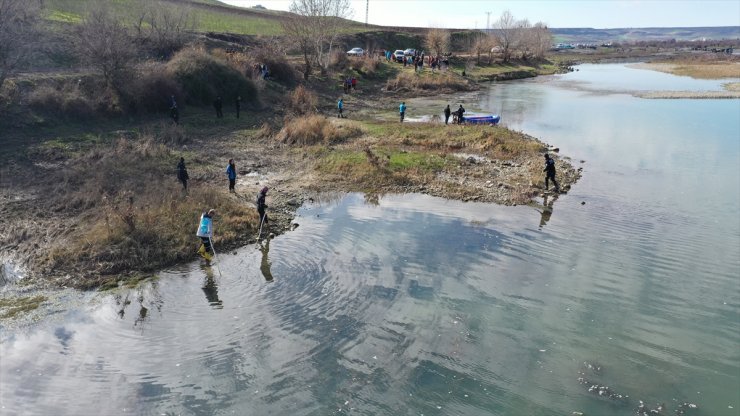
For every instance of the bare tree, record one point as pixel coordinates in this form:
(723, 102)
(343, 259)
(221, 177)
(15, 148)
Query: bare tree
(523, 39)
(300, 31)
(505, 32)
(482, 45)
(104, 43)
(437, 41)
(318, 23)
(18, 22)
(162, 26)
(541, 39)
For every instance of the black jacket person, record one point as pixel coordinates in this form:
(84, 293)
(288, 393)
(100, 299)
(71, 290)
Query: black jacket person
(460, 112)
(182, 173)
(262, 206)
(447, 113)
(550, 172)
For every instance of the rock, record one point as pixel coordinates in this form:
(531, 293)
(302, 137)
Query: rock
(272, 235)
(294, 226)
(583, 202)
(583, 161)
(471, 160)
(294, 203)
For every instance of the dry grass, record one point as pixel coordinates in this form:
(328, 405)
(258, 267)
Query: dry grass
(131, 214)
(392, 155)
(438, 81)
(68, 101)
(302, 101)
(703, 70)
(316, 129)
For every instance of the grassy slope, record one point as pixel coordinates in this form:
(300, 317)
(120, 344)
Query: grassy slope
(210, 15)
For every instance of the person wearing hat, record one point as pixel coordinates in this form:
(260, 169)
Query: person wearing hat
(231, 173)
(205, 232)
(550, 172)
(262, 206)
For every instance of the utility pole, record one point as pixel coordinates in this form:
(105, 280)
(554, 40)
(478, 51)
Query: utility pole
(367, 10)
(488, 21)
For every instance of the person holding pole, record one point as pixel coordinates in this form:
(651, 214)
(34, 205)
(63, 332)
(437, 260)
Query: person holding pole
(261, 209)
(205, 232)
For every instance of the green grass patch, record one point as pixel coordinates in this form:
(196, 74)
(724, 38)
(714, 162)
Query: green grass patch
(11, 307)
(401, 160)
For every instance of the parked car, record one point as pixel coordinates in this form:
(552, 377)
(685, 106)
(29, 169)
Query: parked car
(409, 52)
(398, 55)
(356, 52)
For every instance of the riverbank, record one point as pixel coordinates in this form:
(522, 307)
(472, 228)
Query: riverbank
(110, 210)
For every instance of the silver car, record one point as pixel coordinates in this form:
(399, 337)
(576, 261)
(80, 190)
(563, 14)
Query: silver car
(356, 52)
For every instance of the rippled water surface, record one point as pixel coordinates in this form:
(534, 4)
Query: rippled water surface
(416, 305)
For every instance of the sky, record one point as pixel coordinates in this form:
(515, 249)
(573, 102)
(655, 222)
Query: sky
(598, 14)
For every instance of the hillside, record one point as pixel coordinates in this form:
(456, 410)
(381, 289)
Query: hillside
(589, 35)
(209, 15)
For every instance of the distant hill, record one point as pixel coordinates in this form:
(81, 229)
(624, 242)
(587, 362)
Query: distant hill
(588, 35)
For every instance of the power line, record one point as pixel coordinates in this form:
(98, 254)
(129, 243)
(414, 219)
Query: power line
(488, 21)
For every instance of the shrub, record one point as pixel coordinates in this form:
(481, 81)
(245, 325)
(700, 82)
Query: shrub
(369, 66)
(338, 60)
(427, 81)
(150, 92)
(315, 129)
(302, 101)
(63, 101)
(203, 77)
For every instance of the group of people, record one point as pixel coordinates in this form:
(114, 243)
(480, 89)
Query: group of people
(458, 115)
(205, 228)
(349, 84)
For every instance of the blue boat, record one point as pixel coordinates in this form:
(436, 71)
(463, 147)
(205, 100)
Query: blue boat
(482, 119)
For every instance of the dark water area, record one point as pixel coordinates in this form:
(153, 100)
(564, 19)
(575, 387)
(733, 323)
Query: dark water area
(414, 305)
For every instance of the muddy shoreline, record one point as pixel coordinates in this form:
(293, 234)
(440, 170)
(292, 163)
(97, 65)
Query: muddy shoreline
(39, 226)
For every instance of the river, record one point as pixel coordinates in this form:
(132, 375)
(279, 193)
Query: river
(414, 305)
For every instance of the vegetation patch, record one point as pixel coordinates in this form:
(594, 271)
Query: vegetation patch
(127, 218)
(316, 129)
(428, 81)
(11, 307)
(203, 77)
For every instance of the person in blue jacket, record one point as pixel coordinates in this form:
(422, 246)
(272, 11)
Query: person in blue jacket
(402, 110)
(340, 108)
(205, 232)
(231, 173)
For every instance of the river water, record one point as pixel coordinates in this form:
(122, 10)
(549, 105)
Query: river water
(413, 305)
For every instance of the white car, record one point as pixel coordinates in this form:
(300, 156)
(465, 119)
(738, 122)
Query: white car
(356, 52)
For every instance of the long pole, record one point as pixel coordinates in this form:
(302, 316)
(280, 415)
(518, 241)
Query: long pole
(215, 256)
(262, 220)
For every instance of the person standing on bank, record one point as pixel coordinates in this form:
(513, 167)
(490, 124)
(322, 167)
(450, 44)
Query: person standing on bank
(238, 104)
(205, 232)
(447, 113)
(460, 112)
(550, 172)
(218, 105)
(262, 208)
(402, 110)
(182, 174)
(231, 173)
(340, 108)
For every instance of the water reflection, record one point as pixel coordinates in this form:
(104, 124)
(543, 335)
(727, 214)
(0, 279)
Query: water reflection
(546, 209)
(210, 288)
(265, 263)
